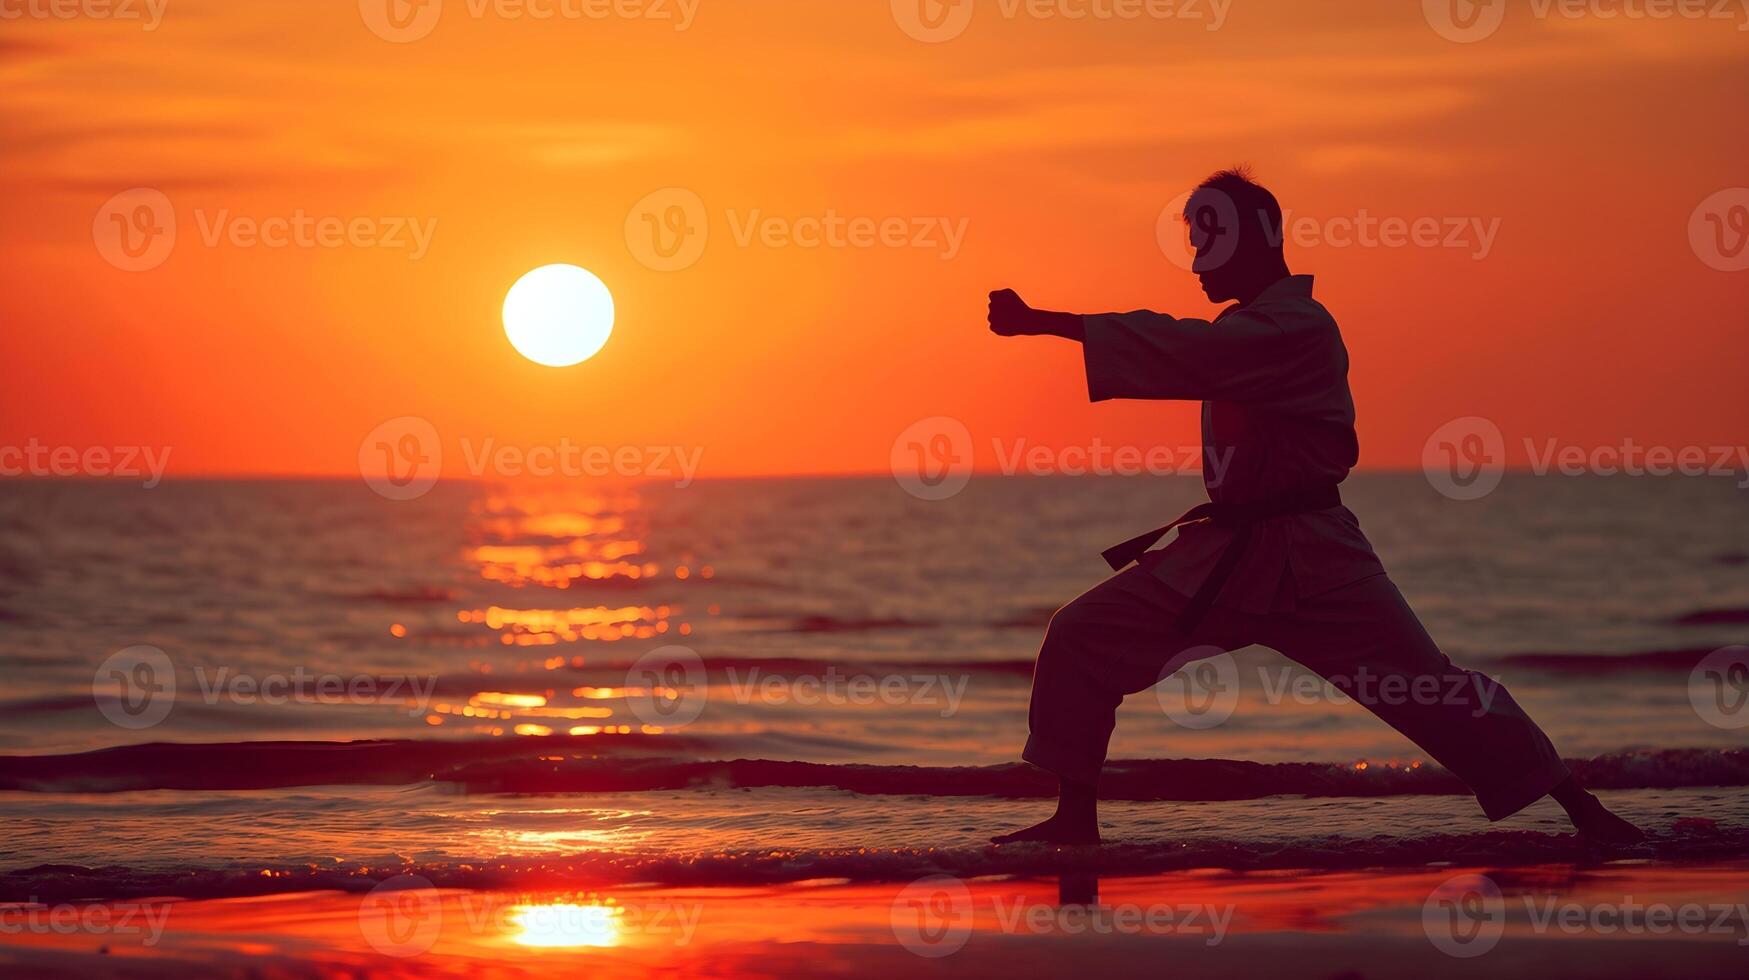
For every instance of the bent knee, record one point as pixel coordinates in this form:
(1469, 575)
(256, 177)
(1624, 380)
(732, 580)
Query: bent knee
(1068, 621)
(1069, 627)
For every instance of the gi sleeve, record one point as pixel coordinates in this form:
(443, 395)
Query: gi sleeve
(1249, 356)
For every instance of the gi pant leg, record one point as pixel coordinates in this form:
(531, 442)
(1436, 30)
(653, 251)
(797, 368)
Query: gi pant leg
(1120, 638)
(1117, 638)
(1366, 641)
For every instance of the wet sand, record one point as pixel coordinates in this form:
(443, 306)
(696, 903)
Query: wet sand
(1624, 919)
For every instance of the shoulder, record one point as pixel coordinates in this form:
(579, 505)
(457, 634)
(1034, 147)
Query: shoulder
(1294, 315)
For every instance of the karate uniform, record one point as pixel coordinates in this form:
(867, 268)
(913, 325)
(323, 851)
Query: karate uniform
(1277, 417)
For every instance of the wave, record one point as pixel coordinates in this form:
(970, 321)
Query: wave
(417, 595)
(1607, 663)
(1689, 840)
(1713, 617)
(832, 624)
(642, 763)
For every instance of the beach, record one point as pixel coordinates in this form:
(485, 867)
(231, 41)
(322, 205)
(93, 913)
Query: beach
(502, 731)
(1548, 920)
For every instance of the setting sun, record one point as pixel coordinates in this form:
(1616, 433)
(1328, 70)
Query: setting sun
(558, 315)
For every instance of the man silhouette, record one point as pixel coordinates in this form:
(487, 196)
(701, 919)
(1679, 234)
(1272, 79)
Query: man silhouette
(1274, 558)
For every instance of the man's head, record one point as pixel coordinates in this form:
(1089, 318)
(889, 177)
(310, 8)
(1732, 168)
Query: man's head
(1235, 228)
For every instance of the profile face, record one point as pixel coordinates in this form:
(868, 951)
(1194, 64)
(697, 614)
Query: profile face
(1214, 234)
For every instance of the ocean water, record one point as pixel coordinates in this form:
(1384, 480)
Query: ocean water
(648, 682)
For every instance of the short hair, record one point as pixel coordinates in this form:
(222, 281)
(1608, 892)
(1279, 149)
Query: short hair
(1252, 202)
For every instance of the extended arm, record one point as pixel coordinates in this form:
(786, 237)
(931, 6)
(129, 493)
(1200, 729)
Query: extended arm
(1248, 357)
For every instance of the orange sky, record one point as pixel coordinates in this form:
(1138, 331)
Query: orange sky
(1586, 144)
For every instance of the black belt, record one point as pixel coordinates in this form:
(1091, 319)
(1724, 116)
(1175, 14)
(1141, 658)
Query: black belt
(1240, 516)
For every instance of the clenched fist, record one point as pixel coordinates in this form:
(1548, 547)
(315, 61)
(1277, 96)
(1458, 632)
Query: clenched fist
(1009, 314)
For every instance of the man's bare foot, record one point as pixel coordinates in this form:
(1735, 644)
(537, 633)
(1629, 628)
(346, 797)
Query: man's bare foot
(1594, 822)
(1057, 830)
(1591, 818)
(1075, 822)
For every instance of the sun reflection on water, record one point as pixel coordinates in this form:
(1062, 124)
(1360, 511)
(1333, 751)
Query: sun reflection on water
(561, 924)
(549, 544)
